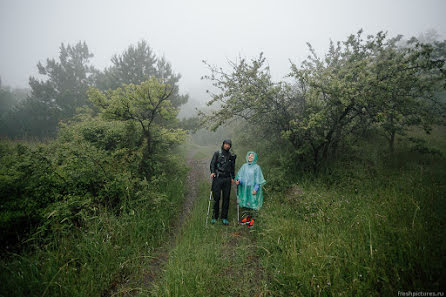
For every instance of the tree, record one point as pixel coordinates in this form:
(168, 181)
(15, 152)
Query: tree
(405, 88)
(7, 99)
(250, 94)
(136, 65)
(11, 100)
(147, 104)
(67, 80)
(57, 96)
(359, 84)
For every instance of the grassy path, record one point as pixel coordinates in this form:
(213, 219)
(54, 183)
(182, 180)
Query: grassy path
(199, 260)
(212, 260)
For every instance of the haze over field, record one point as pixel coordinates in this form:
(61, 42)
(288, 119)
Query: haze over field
(187, 32)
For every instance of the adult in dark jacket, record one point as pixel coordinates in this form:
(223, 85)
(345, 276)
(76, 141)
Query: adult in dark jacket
(222, 173)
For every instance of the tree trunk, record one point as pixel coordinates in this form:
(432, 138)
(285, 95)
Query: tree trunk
(315, 159)
(392, 135)
(145, 168)
(148, 136)
(392, 141)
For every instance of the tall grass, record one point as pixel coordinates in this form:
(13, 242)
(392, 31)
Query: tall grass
(368, 228)
(212, 260)
(91, 260)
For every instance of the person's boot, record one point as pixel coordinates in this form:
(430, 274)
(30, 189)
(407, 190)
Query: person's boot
(245, 220)
(213, 221)
(225, 222)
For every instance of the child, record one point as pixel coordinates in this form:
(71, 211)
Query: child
(249, 182)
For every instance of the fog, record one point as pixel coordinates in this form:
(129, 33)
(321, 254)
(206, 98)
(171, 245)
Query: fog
(187, 32)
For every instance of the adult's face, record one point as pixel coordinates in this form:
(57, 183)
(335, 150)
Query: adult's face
(226, 146)
(250, 157)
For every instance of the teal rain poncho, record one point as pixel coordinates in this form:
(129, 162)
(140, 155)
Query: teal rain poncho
(250, 175)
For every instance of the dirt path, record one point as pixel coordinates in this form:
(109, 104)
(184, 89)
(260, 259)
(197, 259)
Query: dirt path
(197, 172)
(243, 270)
(152, 266)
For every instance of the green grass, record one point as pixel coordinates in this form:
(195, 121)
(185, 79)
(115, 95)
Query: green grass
(90, 261)
(212, 260)
(364, 228)
(383, 234)
(367, 227)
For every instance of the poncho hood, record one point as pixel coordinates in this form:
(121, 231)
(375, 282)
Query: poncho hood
(254, 161)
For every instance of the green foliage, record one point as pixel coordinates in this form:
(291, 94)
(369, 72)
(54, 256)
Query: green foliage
(28, 183)
(365, 229)
(93, 163)
(90, 260)
(54, 98)
(147, 102)
(7, 99)
(359, 86)
(149, 105)
(67, 80)
(191, 124)
(75, 213)
(136, 65)
(215, 260)
(10, 101)
(63, 90)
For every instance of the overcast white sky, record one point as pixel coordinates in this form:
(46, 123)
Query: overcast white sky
(187, 32)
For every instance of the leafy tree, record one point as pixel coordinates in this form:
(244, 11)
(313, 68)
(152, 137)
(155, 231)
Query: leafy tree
(405, 85)
(56, 97)
(7, 99)
(10, 102)
(250, 94)
(136, 65)
(31, 118)
(191, 124)
(67, 81)
(147, 104)
(359, 84)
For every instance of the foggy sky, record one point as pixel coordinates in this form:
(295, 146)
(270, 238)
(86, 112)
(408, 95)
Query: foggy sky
(187, 32)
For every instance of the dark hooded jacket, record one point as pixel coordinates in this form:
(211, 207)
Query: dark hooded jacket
(223, 162)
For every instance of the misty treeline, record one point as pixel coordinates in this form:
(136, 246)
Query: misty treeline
(366, 85)
(61, 88)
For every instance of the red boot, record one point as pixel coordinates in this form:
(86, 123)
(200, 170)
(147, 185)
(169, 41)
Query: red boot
(245, 220)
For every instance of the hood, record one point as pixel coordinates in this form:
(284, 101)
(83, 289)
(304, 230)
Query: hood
(255, 157)
(228, 141)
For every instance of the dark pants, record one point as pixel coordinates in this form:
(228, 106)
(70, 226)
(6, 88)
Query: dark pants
(221, 184)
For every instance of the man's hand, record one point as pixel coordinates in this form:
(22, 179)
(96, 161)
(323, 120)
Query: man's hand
(237, 182)
(232, 181)
(213, 175)
(254, 192)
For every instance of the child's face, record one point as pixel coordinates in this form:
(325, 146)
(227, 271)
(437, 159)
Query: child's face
(250, 157)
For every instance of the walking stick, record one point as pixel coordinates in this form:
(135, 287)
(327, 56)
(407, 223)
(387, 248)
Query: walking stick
(238, 211)
(238, 205)
(209, 206)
